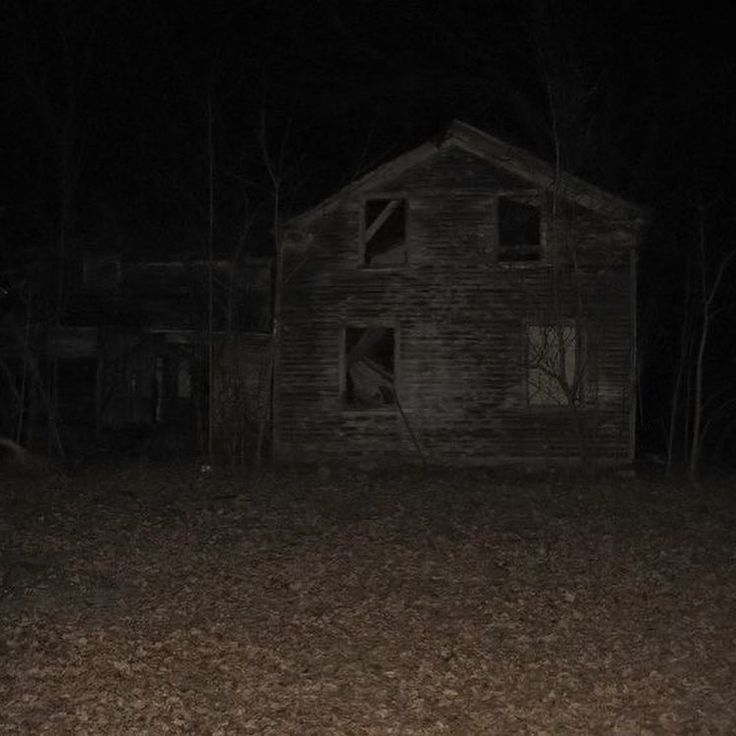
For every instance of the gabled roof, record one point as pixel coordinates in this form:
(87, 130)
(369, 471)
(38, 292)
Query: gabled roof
(498, 154)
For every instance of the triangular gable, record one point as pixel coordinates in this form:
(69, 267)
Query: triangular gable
(498, 154)
(539, 173)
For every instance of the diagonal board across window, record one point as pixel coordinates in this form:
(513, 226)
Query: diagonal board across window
(369, 366)
(384, 232)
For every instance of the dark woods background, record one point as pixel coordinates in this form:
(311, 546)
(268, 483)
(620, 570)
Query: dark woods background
(114, 115)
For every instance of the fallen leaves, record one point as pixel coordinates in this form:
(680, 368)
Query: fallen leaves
(162, 601)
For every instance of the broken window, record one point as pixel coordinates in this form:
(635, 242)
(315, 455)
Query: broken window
(369, 367)
(519, 228)
(384, 235)
(552, 364)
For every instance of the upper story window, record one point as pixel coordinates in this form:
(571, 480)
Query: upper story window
(519, 228)
(384, 232)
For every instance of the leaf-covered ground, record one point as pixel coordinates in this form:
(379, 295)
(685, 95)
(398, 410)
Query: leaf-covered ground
(167, 601)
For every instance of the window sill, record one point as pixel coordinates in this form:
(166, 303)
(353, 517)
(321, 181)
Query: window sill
(522, 265)
(396, 267)
(551, 408)
(380, 411)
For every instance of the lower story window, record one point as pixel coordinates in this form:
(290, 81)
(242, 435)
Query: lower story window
(369, 367)
(553, 376)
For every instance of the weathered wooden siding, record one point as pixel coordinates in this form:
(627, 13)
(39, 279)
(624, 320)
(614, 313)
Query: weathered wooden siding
(460, 322)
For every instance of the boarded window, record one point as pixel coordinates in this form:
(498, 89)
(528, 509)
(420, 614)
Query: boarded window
(369, 367)
(552, 363)
(384, 235)
(519, 227)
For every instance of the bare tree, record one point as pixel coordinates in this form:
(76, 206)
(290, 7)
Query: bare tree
(560, 349)
(562, 336)
(210, 276)
(53, 46)
(708, 292)
(274, 164)
(682, 370)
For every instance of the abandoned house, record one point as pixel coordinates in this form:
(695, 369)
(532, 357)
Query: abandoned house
(461, 304)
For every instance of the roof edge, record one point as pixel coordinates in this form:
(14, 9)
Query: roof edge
(522, 163)
(514, 160)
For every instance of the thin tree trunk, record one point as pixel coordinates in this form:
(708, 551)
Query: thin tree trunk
(708, 293)
(24, 379)
(210, 281)
(696, 445)
(276, 331)
(269, 411)
(681, 367)
(275, 170)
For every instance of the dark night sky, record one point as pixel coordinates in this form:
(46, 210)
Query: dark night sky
(643, 95)
(647, 95)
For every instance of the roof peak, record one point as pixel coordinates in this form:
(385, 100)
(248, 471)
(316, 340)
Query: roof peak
(513, 159)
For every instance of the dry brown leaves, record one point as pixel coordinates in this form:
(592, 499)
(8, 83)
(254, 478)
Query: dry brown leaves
(163, 601)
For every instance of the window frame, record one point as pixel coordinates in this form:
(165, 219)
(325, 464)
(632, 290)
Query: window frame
(347, 407)
(531, 197)
(578, 373)
(364, 228)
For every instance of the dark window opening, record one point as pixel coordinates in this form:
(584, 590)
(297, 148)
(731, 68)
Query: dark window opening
(101, 272)
(369, 368)
(76, 380)
(385, 232)
(519, 226)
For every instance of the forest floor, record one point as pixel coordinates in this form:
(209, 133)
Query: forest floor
(168, 600)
